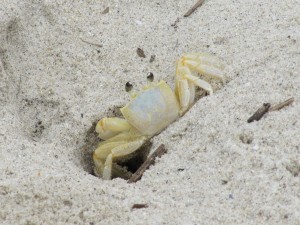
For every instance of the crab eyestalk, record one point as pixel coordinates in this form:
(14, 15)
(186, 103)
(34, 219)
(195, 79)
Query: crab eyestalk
(128, 88)
(150, 77)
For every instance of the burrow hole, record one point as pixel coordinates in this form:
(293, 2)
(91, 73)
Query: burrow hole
(130, 164)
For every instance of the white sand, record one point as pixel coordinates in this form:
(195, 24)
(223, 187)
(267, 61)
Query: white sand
(219, 169)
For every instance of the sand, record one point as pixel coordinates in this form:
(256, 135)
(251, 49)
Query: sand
(63, 66)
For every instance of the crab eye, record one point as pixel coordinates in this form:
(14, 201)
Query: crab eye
(150, 77)
(128, 87)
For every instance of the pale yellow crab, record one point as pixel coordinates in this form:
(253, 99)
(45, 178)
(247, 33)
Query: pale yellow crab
(151, 110)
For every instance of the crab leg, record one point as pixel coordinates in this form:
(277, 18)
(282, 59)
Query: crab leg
(119, 150)
(186, 81)
(183, 94)
(105, 147)
(110, 127)
(200, 83)
(204, 64)
(182, 87)
(192, 92)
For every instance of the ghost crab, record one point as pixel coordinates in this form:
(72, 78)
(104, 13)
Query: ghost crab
(150, 111)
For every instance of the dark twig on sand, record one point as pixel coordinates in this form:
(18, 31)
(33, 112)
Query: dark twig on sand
(139, 206)
(259, 113)
(149, 161)
(282, 104)
(91, 43)
(106, 10)
(267, 108)
(191, 10)
(140, 53)
(175, 23)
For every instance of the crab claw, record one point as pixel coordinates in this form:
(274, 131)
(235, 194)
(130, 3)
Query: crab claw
(110, 127)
